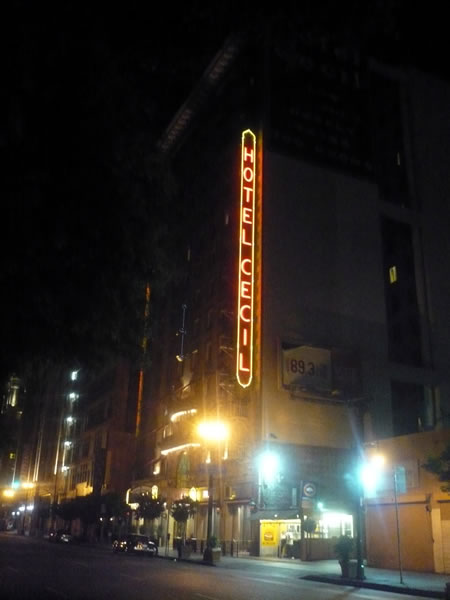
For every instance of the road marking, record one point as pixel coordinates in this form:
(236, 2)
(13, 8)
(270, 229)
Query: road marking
(271, 581)
(207, 597)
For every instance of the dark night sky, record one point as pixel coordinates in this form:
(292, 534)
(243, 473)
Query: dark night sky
(86, 93)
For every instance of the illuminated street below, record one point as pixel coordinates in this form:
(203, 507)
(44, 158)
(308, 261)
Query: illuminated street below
(32, 568)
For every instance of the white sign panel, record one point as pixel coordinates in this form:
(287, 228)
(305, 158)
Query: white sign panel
(308, 367)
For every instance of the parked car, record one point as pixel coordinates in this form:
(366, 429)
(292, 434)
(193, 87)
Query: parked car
(61, 536)
(136, 544)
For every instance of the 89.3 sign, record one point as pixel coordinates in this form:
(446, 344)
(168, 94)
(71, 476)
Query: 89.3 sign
(308, 367)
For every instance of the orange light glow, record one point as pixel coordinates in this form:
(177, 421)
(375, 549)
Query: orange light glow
(245, 317)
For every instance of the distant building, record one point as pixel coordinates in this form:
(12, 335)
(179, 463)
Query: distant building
(80, 439)
(13, 456)
(101, 433)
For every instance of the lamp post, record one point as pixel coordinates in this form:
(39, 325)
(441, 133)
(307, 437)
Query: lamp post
(212, 432)
(399, 551)
(28, 485)
(370, 476)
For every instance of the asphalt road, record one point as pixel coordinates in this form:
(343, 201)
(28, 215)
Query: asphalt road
(34, 569)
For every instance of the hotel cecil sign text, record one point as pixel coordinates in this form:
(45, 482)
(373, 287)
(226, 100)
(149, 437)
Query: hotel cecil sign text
(244, 358)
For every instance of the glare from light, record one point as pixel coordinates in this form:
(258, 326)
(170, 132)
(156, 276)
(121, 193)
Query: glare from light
(8, 493)
(70, 420)
(268, 466)
(22, 508)
(370, 475)
(30, 507)
(333, 519)
(74, 375)
(378, 461)
(28, 485)
(178, 415)
(213, 431)
(320, 505)
(73, 395)
(181, 447)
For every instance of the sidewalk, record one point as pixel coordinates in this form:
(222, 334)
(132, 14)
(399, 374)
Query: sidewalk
(426, 585)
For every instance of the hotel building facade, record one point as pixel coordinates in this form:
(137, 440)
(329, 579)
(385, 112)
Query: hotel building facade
(311, 314)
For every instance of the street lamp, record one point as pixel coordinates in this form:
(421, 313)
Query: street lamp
(268, 471)
(212, 432)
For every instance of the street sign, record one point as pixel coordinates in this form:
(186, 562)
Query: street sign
(309, 490)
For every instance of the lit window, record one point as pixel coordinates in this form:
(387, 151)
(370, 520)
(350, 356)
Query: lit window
(74, 375)
(12, 456)
(157, 468)
(154, 492)
(392, 274)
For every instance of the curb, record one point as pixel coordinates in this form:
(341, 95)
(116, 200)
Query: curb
(384, 587)
(192, 561)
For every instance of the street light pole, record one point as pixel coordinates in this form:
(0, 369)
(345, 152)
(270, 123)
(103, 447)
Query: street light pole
(210, 505)
(398, 526)
(359, 525)
(371, 475)
(212, 433)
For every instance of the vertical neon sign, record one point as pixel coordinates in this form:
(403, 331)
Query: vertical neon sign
(244, 353)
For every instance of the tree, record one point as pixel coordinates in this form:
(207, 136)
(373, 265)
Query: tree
(114, 506)
(181, 510)
(440, 466)
(67, 511)
(151, 509)
(88, 508)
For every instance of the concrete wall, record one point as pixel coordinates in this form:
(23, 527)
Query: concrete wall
(430, 132)
(422, 506)
(322, 286)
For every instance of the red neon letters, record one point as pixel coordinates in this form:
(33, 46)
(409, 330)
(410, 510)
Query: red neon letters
(244, 355)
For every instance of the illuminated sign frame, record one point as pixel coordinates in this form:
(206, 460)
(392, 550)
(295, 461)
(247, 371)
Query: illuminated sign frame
(245, 317)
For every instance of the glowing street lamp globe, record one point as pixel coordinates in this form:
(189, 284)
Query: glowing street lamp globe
(213, 431)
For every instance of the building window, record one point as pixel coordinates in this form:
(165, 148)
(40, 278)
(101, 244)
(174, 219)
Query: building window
(388, 140)
(402, 307)
(392, 274)
(411, 408)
